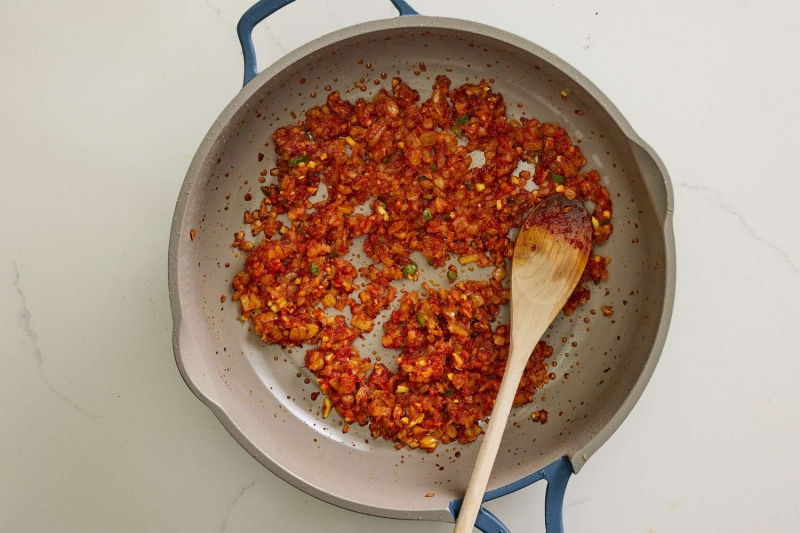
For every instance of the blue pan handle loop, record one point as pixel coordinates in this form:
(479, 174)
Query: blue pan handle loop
(262, 10)
(557, 475)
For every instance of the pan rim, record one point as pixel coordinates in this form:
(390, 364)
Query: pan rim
(577, 458)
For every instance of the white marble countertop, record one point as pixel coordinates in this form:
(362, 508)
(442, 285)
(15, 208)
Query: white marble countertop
(103, 105)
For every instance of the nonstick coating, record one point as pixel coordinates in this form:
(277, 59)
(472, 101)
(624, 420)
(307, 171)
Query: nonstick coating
(255, 389)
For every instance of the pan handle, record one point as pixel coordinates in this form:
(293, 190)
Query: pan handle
(557, 475)
(262, 10)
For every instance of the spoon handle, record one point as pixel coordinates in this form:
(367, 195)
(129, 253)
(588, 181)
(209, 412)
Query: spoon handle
(517, 360)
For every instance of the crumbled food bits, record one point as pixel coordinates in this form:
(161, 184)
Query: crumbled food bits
(452, 273)
(326, 407)
(607, 310)
(396, 172)
(192, 234)
(430, 495)
(539, 416)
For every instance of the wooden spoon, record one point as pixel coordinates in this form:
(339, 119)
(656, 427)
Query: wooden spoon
(550, 254)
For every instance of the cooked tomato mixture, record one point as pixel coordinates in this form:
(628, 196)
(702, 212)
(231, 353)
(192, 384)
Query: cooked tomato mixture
(399, 173)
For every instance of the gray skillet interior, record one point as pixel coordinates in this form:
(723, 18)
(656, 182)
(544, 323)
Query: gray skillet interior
(260, 392)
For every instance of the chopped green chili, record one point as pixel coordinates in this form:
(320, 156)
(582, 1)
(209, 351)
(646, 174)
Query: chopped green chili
(427, 214)
(462, 119)
(314, 269)
(558, 178)
(295, 162)
(410, 270)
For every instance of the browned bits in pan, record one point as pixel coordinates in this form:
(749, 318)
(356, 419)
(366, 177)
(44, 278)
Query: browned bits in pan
(539, 416)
